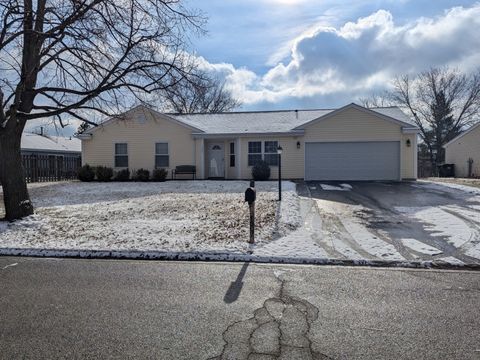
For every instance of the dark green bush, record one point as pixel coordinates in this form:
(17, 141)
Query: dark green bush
(86, 173)
(122, 175)
(104, 173)
(142, 175)
(159, 174)
(261, 171)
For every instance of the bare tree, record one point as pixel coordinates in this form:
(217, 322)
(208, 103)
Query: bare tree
(199, 93)
(377, 99)
(74, 58)
(441, 101)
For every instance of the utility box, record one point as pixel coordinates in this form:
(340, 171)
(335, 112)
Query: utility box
(446, 170)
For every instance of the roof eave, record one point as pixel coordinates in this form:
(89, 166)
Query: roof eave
(411, 130)
(248, 134)
(401, 123)
(456, 138)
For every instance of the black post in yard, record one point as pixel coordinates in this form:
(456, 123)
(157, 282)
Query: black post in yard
(279, 152)
(250, 197)
(252, 222)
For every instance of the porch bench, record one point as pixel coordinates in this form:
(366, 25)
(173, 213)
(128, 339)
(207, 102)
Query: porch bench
(184, 170)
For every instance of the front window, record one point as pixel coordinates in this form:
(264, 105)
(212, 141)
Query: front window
(254, 152)
(232, 154)
(162, 159)
(271, 156)
(121, 155)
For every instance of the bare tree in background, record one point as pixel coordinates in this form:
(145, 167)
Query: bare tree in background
(441, 101)
(199, 93)
(72, 58)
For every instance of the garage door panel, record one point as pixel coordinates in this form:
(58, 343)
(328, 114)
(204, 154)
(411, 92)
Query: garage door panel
(378, 160)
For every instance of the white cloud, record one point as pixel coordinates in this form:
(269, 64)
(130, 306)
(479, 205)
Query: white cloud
(360, 56)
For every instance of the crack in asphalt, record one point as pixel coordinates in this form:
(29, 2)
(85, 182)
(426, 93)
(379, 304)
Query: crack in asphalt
(277, 330)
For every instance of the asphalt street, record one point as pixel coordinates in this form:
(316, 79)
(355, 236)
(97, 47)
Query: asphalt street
(60, 308)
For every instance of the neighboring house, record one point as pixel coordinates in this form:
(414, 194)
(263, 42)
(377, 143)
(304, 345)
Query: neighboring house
(462, 148)
(48, 158)
(350, 143)
(50, 145)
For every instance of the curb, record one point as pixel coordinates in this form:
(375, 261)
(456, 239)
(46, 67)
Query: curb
(229, 257)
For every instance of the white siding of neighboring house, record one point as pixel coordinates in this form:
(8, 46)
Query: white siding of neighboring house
(459, 151)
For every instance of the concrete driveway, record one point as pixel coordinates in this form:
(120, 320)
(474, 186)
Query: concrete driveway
(394, 221)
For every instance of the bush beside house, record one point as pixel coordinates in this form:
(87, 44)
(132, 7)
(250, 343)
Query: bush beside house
(261, 171)
(142, 175)
(104, 173)
(159, 175)
(86, 173)
(122, 175)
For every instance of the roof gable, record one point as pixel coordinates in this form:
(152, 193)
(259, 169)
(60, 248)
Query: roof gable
(466, 132)
(379, 113)
(132, 111)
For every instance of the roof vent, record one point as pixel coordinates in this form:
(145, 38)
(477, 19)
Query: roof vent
(296, 114)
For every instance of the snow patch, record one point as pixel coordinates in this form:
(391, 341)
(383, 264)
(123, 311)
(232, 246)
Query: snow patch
(420, 247)
(451, 260)
(441, 223)
(371, 243)
(341, 187)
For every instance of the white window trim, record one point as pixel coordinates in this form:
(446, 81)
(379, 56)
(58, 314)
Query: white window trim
(270, 153)
(262, 149)
(155, 154)
(249, 153)
(115, 154)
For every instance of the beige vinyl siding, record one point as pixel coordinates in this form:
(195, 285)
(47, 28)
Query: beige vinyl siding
(141, 137)
(408, 156)
(459, 151)
(355, 125)
(292, 158)
(352, 125)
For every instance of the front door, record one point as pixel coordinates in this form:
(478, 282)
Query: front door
(216, 160)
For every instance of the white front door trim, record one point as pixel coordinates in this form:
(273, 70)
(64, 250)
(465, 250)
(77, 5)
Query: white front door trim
(216, 160)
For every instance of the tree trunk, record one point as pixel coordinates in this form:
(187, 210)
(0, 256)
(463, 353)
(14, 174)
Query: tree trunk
(15, 193)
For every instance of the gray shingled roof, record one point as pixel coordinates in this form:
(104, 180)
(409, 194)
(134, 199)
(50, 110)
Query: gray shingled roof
(36, 142)
(266, 121)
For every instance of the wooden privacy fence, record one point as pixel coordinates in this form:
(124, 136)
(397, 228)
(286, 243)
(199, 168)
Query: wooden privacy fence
(40, 168)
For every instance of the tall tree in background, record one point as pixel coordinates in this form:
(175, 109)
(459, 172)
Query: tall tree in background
(441, 101)
(72, 58)
(200, 93)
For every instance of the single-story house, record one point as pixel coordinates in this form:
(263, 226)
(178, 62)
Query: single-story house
(461, 149)
(39, 144)
(349, 143)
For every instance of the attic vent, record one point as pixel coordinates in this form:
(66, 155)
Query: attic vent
(141, 118)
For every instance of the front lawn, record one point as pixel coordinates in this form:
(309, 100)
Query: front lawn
(458, 181)
(170, 216)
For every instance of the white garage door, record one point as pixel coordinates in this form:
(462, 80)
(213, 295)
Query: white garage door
(378, 160)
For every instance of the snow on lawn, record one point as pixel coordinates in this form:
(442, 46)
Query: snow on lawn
(169, 216)
(441, 185)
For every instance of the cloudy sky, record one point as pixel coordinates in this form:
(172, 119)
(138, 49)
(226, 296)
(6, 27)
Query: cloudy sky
(297, 54)
(277, 54)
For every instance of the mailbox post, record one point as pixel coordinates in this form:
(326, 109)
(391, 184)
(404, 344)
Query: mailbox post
(250, 197)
